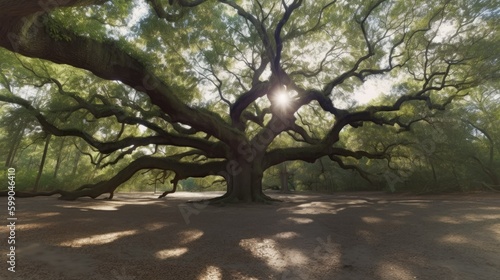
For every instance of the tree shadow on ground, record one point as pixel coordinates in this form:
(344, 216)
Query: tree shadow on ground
(349, 236)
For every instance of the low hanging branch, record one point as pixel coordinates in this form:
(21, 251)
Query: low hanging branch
(182, 170)
(212, 149)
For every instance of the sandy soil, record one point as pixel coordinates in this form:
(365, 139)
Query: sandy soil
(309, 236)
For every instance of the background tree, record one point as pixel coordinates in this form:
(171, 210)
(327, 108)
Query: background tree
(481, 115)
(233, 88)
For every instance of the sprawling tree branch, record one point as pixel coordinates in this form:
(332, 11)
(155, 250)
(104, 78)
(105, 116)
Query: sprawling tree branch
(275, 66)
(90, 54)
(259, 27)
(19, 9)
(182, 170)
(161, 13)
(246, 99)
(216, 150)
(312, 153)
(356, 168)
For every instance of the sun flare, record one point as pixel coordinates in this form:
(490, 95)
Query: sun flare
(282, 98)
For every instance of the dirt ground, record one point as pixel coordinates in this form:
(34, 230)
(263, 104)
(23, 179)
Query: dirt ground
(308, 236)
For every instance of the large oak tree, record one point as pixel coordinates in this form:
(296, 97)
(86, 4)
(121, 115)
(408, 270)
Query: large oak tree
(231, 81)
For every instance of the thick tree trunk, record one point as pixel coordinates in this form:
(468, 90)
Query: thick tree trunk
(244, 183)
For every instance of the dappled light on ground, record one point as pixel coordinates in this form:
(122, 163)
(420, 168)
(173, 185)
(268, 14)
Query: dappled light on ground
(155, 226)
(109, 205)
(324, 207)
(372, 220)
(454, 239)
(495, 230)
(402, 214)
(190, 236)
(48, 214)
(393, 271)
(298, 220)
(211, 273)
(308, 236)
(34, 226)
(286, 235)
(264, 249)
(171, 253)
(447, 220)
(480, 217)
(98, 239)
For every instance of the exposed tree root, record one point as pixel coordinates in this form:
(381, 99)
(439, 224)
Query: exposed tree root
(268, 198)
(221, 200)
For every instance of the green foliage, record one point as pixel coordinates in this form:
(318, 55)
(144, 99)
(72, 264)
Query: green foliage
(211, 53)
